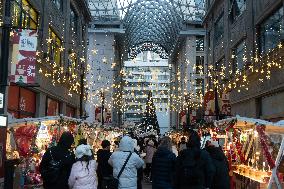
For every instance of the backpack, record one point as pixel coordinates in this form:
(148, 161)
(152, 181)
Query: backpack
(52, 172)
(192, 171)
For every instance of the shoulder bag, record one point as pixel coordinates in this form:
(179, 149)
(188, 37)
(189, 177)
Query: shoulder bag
(112, 182)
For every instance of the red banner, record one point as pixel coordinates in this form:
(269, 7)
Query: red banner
(23, 56)
(209, 103)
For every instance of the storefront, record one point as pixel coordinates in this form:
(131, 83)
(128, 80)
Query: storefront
(21, 102)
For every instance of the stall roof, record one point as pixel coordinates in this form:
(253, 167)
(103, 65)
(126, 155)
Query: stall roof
(51, 119)
(249, 123)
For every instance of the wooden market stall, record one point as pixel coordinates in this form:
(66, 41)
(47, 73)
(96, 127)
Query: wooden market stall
(254, 149)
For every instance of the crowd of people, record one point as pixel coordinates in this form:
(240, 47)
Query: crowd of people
(186, 166)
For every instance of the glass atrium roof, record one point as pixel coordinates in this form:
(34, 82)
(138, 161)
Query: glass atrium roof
(154, 21)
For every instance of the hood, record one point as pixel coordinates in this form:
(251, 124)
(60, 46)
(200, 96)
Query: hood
(66, 140)
(126, 144)
(215, 153)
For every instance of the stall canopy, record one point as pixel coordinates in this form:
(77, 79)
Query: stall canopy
(249, 123)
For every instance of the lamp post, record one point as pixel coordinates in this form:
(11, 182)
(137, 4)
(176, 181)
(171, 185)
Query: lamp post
(103, 106)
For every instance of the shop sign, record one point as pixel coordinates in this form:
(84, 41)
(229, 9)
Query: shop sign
(1, 100)
(23, 56)
(3, 121)
(226, 105)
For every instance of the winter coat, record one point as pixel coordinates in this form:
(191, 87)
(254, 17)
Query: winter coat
(221, 177)
(59, 153)
(83, 177)
(128, 178)
(104, 169)
(163, 167)
(205, 166)
(150, 150)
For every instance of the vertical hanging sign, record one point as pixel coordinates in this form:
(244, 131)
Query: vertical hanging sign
(23, 56)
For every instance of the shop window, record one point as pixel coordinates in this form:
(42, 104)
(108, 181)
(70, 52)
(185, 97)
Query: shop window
(199, 65)
(24, 15)
(237, 8)
(52, 107)
(54, 46)
(239, 57)
(199, 43)
(219, 29)
(70, 111)
(73, 20)
(21, 102)
(58, 4)
(271, 31)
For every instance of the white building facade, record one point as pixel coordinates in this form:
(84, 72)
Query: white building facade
(147, 72)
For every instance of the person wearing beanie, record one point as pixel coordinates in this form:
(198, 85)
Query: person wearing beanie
(128, 178)
(56, 177)
(104, 169)
(83, 173)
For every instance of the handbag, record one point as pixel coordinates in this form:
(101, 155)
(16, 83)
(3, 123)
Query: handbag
(52, 172)
(112, 182)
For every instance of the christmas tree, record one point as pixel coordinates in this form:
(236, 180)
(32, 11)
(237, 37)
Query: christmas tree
(149, 120)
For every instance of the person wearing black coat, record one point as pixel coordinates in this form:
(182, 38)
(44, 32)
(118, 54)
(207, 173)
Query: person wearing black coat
(221, 167)
(194, 167)
(103, 169)
(62, 154)
(163, 166)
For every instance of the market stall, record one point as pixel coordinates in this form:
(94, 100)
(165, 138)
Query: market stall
(254, 149)
(28, 139)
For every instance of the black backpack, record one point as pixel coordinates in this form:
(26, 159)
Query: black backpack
(192, 170)
(51, 173)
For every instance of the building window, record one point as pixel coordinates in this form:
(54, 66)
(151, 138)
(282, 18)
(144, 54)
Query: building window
(237, 8)
(199, 43)
(24, 15)
(54, 46)
(219, 29)
(58, 4)
(70, 111)
(52, 107)
(271, 31)
(239, 57)
(73, 20)
(199, 65)
(21, 102)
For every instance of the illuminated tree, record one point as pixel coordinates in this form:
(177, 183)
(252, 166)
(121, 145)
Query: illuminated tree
(149, 120)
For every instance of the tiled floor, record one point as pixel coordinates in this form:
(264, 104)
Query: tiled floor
(147, 185)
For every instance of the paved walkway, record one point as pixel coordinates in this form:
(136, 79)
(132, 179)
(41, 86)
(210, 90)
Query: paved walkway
(147, 185)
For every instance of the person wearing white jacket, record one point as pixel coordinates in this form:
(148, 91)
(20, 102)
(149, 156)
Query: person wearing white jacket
(128, 178)
(83, 173)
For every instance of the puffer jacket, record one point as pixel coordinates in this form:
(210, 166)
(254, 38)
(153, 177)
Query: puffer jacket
(82, 177)
(163, 167)
(221, 177)
(128, 178)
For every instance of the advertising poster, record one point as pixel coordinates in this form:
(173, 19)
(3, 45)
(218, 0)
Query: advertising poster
(23, 56)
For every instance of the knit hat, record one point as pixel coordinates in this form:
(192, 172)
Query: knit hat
(83, 150)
